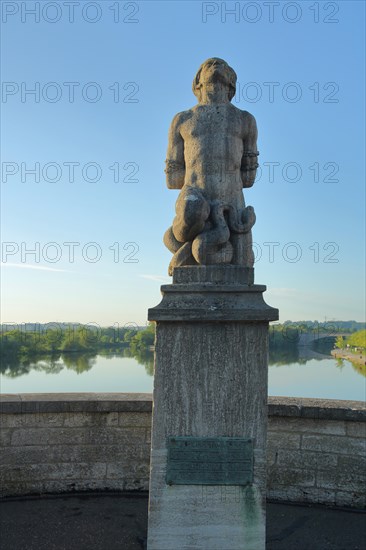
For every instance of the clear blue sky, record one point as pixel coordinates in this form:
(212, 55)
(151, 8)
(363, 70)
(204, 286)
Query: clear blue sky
(300, 68)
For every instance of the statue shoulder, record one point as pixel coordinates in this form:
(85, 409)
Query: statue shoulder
(181, 117)
(248, 118)
(249, 123)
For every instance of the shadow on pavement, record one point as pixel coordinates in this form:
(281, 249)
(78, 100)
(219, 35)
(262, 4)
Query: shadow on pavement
(105, 521)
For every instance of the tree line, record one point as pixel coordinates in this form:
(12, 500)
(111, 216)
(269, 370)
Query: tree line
(24, 346)
(357, 340)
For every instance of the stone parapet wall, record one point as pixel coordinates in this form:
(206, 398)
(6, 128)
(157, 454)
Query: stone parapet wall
(316, 451)
(74, 442)
(52, 443)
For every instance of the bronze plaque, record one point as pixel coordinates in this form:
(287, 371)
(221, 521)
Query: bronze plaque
(209, 461)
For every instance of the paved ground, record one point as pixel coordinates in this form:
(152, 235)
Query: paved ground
(119, 522)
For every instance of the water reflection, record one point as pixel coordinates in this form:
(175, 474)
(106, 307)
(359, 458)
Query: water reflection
(145, 358)
(361, 369)
(285, 356)
(81, 362)
(49, 364)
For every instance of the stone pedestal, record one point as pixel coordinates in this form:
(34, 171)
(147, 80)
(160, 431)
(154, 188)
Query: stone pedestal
(211, 369)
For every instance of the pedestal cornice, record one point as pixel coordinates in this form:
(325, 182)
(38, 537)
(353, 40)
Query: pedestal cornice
(213, 293)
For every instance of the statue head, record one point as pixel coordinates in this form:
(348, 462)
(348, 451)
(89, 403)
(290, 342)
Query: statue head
(215, 70)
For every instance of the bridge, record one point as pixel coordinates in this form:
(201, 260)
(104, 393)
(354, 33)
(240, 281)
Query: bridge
(307, 338)
(301, 338)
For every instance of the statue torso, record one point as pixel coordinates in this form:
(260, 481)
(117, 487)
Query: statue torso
(213, 147)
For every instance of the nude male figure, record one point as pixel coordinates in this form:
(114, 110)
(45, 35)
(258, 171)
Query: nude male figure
(212, 155)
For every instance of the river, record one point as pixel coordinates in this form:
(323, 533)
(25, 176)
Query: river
(301, 374)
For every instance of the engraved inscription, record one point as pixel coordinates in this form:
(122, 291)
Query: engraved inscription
(209, 461)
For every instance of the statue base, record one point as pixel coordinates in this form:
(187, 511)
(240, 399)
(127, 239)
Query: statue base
(208, 457)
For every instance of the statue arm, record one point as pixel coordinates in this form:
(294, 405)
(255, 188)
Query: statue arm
(249, 161)
(175, 165)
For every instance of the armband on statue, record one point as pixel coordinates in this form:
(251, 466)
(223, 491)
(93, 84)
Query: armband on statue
(250, 153)
(245, 158)
(173, 166)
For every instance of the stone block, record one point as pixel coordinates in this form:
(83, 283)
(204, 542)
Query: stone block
(341, 481)
(306, 460)
(78, 420)
(10, 404)
(141, 420)
(14, 420)
(117, 470)
(74, 402)
(333, 444)
(306, 425)
(114, 436)
(74, 471)
(283, 440)
(355, 464)
(271, 456)
(356, 429)
(350, 498)
(135, 485)
(112, 418)
(32, 436)
(319, 495)
(290, 477)
(67, 436)
(42, 420)
(25, 455)
(12, 474)
(5, 436)
(121, 470)
(123, 452)
(43, 472)
(42, 487)
(325, 409)
(293, 494)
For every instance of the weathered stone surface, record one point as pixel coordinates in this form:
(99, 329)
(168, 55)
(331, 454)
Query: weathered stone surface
(305, 460)
(291, 477)
(210, 381)
(314, 495)
(325, 409)
(123, 470)
(33, 436)
(142, 420)
(132, 453)
(214, 275)
(307, 425)
(338, 480)
(355, 464)
(333, 443)
(330, 409)
(74, 402)
(349, 498)
(285, 440)
(212, 154)
(5, 436)
(85, 419)
(356, 429)
(54, 471)
(224, 297)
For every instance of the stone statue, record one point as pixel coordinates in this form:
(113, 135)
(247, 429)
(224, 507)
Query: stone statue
(212, 155)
